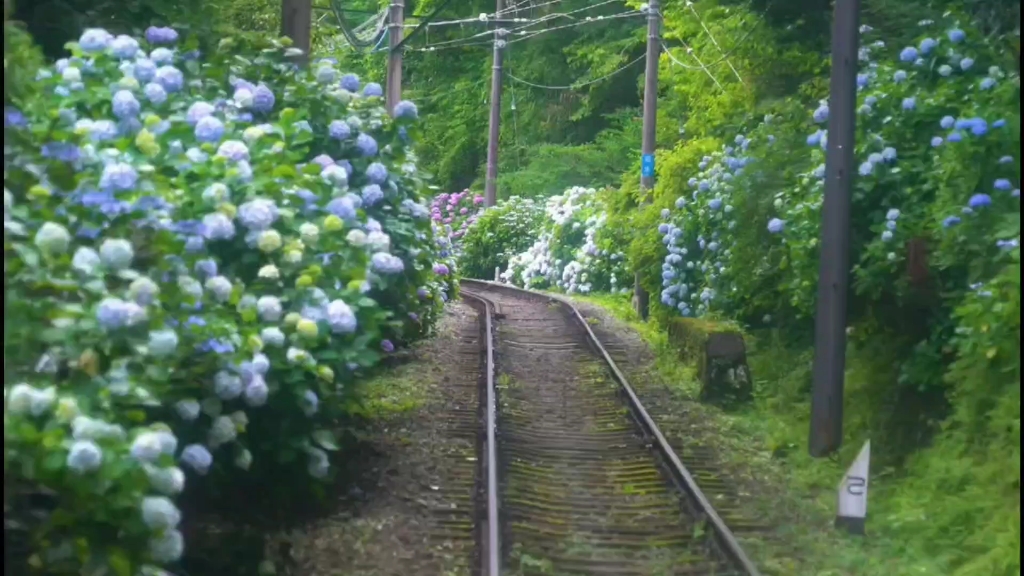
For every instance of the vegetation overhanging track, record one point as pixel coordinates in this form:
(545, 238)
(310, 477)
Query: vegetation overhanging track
(529, 446)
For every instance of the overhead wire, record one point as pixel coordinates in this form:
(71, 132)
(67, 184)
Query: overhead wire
(590, 20)
(527, 23)
(700, 65)
(723, 58)
(689, 5)
(576, 85)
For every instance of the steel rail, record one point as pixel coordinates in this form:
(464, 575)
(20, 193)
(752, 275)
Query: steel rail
(493, 560)
(681, 476)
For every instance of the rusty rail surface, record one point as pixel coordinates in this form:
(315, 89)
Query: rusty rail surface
(491, 556)
(726, 545)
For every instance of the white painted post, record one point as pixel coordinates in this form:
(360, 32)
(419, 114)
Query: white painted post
(853, 493)
(497, 273)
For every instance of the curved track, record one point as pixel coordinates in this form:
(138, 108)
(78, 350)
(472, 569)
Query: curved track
(575, 477)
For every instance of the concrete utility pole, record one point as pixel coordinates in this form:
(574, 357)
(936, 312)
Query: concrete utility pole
(494, 133)
(297, 24)
(826, 434)
(642, 299)
(396, 22)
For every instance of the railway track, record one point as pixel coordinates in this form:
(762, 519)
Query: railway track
(574, 476)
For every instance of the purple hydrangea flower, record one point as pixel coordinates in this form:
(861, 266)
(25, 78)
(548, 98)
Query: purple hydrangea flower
(366, 144)
(387, 346)
(155, 93)
(821, 114)
(339, 130)
(384, 263)
(373, 89)
(170, 78)
(13, 118)
(377, 173)
(979, 201)
(197, 457)
(125, 105)
(94, 40)
(372, 194)
(62, 151)
(406, 109)
(263, 99)
(124, 47)
(118, 177)
(908, 54)
(342, 208)
(209, 129)
(197, 111)
(350, 82)
(775, 225)
(161, 35)
(234, 151)
(950, 221)
(956, 35)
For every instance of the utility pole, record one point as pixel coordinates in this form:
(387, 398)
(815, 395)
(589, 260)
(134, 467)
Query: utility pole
(297, 23)
(826, 434)
(491, 183)
(642, 299)
(396, 22)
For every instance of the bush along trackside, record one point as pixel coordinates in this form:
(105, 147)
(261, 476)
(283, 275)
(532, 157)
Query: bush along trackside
(200, 255)
(451, 215)
(498, 234)
(570, 253)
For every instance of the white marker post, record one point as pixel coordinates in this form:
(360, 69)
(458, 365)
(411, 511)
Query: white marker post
(497, 273)
(853, 494)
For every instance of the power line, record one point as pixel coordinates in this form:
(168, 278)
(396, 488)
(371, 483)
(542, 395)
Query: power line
(533, 33)
(518, 30)
(575, 85)
(713, 41)
(724, 56)
(700, 66)
(423, 25)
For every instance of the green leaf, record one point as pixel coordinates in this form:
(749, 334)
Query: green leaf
(119, 562)
(29, 256)
(326, 439)
(284, 171)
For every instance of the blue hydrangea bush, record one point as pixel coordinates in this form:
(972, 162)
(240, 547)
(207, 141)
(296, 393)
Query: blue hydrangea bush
(570, 252)
(201, 255)
(937, 149)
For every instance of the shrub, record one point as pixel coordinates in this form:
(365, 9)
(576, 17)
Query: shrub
(199, 258)
(498, 234)
(570, 253)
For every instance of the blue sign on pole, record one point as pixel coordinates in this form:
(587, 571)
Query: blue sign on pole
(647, 166)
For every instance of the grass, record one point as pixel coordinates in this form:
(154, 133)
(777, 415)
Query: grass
(768, 441)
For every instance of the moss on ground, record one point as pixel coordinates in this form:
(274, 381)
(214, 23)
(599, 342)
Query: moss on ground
(768, 440)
